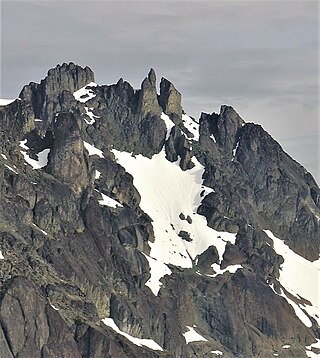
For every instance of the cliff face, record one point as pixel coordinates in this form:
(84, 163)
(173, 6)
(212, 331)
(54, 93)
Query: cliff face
(129, 229)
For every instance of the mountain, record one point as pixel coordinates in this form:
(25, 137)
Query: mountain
(130, 229)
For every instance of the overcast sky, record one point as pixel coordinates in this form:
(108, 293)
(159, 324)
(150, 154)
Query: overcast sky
(261, 57)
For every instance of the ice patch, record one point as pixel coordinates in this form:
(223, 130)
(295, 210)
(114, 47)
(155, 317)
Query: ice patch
(300, 278)
(192, 336)
(191, 125)
(157, 270)
(169, 124)
(107, 201)
(150, 343)
(5, 102)
(42, 156)
(1, 255)
(93, 150)
(84, 94)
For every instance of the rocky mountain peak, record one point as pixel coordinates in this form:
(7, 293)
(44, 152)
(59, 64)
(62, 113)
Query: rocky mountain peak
(170, 100)
(130, 229)
(148, 99)
(152, 77)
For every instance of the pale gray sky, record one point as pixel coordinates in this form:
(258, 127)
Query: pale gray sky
(261, 57)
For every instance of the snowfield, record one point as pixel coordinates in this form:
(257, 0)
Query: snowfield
(166, 192)
(301, 278)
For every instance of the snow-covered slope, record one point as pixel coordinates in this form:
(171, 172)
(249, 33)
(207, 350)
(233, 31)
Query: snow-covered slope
(166, 193)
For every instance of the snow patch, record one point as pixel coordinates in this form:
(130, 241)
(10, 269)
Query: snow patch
(1, 255)
(230, 268)
(150, 343)
(166, 191)
(169, 124)
(97, 174)
(85, 93)
(5, 102)
(93, 150)
(157, 270)
(191, 125)
(218, 353)
(309, 351)
(38, 120)
(54, 307)
(90, 114)
(286, 346)
(42, 156)
(192, 336)
(107, 201)
(4, 156)
(301, 278)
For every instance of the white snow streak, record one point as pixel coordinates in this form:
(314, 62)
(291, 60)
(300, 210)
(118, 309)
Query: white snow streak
(299, 277)
(11, 169)
(218, 353)
(37, 227)
(191, 125)
(1, 255)
(192, 336)
(4, 156)
(166, 191)
(234, 151)
(169, 124)
(84, 94)
(213, 138)
(93, 150)
(137, 341)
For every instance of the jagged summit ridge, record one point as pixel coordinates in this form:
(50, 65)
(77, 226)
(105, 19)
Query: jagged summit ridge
(130, 229)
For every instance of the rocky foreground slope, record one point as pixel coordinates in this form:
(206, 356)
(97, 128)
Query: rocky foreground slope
(129, 229)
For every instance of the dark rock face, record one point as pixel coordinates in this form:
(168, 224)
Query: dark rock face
(70, 260)
(46, 98)
(170, 100)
